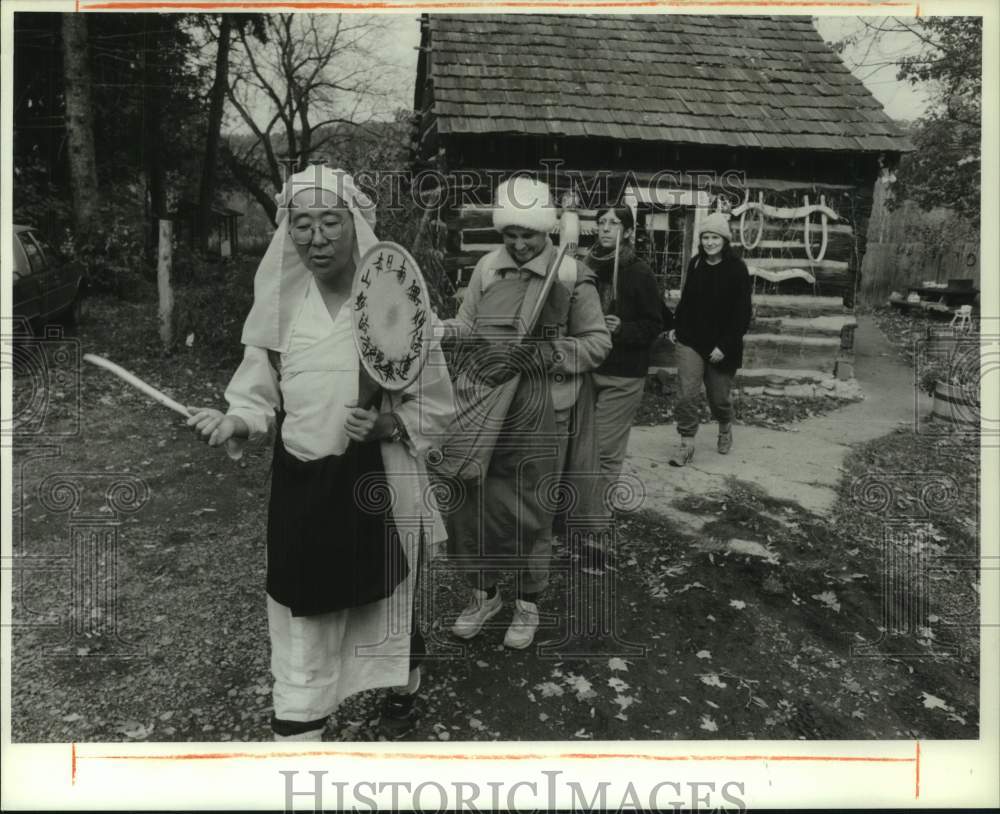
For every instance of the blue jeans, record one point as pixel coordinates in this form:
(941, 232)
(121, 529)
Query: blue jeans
(692, 372)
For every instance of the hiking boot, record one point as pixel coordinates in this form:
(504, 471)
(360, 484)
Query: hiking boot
(476, 614)
(523, 626)
(684, 452)
(399, 715)
(725, 439)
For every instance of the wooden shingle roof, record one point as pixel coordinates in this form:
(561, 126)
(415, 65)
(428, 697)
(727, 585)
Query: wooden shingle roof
(733, 81)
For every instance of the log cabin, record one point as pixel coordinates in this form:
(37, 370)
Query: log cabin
(679, 114)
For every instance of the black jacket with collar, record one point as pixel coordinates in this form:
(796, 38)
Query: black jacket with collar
(715, 309)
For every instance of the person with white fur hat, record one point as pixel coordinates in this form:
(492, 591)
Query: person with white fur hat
(709, 324)
(504, 522)
(341, 574)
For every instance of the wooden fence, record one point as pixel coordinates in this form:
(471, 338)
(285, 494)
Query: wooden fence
(909, 246)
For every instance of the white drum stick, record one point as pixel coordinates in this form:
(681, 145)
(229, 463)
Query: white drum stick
(137, 383)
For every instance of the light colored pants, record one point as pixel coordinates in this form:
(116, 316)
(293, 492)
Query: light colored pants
(618, 398)
(692, 373)
(306, 659)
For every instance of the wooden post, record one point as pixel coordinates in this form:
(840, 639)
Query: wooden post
(166, 291)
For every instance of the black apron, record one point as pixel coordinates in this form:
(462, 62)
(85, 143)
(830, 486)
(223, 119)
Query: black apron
(331, 540)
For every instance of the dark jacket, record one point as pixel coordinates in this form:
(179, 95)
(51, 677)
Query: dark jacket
(637, 304)
(715, 310)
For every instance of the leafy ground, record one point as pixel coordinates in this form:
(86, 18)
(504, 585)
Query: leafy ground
(747, 628)
(774, 412)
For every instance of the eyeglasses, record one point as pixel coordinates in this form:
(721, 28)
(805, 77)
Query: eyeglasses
(302, 231)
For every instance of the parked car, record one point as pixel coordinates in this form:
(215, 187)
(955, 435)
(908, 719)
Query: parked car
(47, 286)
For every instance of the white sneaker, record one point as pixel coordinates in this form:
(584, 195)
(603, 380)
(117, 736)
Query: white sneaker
(477, 613)
(523, 626)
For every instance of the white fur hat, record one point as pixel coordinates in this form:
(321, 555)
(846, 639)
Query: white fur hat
(717, 223)
(526, 203)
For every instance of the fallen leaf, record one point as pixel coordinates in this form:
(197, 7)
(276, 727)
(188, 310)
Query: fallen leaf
(72, 717)
(581, 686)
(618, 664)
(708, 724)
(133, 729)
(617, 684)
(703, 654)
(548, 689)
(933, 702)
(712, 680)
(739, 604)
(828, 598)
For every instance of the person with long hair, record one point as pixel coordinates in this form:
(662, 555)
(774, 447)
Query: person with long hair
(709, 324)
(631, 304)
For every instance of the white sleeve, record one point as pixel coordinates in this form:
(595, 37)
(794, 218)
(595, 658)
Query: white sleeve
(253, 395)
(426, 407)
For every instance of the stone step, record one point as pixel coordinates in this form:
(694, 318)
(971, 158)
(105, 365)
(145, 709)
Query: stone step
(772, 351)
(783, 382)
(806, 326)
(800, 306)
(790, 340)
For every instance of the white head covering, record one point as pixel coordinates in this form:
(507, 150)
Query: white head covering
(282, 279)
(524, 202)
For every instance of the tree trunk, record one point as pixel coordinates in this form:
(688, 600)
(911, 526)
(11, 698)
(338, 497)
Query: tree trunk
(164, 286)
(152, 113)
(251, 185)
(206, 196)
(80, 125)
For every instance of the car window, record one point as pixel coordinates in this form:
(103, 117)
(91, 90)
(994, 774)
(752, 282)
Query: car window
(50, 254)
(21, 265)
(32, 251)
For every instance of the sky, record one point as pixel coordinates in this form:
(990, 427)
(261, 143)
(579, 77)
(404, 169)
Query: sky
(901, 100)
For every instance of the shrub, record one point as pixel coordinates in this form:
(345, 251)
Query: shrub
(214, 306)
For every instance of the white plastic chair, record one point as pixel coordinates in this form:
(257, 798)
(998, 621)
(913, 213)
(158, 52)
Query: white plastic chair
(962, 320)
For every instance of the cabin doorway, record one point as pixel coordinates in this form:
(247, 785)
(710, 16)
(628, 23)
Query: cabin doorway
(664, 241)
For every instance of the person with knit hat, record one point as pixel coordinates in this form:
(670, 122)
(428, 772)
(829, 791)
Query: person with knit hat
(341, 570)
(709, 324)
(504, 520)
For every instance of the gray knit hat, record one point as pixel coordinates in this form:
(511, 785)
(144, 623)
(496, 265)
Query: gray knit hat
(716, 223)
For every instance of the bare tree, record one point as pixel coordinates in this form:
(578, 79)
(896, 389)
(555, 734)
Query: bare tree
(80, 124)
(314, 81)
(255, 23)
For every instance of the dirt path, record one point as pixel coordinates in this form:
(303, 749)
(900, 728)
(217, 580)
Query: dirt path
(804, 464)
